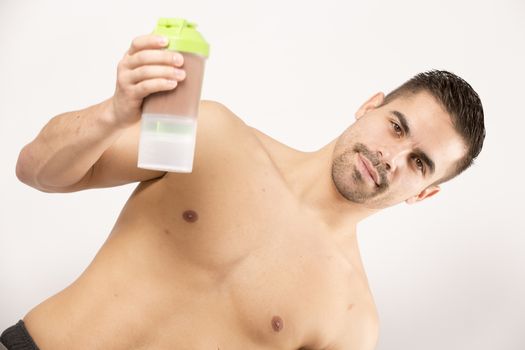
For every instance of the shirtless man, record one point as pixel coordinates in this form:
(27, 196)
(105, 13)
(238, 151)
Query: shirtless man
(256, 248)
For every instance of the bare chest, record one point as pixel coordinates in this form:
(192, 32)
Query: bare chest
(241, 259)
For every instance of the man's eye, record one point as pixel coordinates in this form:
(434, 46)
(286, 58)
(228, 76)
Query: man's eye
(419, 164)
(397, 129)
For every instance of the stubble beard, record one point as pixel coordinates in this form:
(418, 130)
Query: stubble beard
(349, 181)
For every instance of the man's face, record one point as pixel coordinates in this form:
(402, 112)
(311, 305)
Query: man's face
(395, 153)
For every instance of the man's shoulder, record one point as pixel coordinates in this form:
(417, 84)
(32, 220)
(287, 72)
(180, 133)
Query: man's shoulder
(216, 120)
(343, 293)
(219, 129)
(215, 116)
(359, 329)
(224, 142)
(353, 321)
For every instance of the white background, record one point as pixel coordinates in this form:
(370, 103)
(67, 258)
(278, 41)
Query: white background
(446, 274)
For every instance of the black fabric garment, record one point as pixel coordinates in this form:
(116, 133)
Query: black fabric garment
(17, 338)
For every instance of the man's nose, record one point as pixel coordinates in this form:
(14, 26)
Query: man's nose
(392, 157)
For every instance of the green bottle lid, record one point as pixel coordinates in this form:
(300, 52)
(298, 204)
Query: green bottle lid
(182, 36)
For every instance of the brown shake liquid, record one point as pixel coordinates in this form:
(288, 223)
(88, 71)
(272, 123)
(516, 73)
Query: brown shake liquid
(184, 99)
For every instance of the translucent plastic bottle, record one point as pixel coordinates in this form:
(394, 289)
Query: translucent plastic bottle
(169, 118)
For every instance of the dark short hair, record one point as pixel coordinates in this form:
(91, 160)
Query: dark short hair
(460, 101)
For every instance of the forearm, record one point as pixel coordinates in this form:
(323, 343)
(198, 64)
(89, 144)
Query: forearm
(68, 146)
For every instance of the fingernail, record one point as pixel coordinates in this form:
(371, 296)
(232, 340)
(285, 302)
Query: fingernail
(163, 41)
(180, 74)
(178, 59)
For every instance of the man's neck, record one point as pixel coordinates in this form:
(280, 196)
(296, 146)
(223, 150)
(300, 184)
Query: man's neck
(309, 175)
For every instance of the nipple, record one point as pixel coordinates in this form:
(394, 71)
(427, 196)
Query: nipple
(277, 323)
(190, 216)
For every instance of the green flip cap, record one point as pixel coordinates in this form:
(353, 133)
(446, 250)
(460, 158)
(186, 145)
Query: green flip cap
(182, 36)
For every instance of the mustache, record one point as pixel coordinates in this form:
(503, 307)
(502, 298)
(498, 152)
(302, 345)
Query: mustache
(376, 162)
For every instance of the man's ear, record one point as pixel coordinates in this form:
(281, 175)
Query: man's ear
(426, 193)
(373, 102)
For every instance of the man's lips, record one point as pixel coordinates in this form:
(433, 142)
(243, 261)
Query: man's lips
(370, 168)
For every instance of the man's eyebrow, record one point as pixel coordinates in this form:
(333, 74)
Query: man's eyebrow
(426, 159)
(403, 121)
(422, 155)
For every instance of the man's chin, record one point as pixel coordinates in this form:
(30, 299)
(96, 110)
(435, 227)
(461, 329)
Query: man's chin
(360, 196)
(375, 198)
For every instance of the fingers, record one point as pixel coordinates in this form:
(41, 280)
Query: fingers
(152, 57)
(146, 60)
(148, 41)
(147, 68)
(137, 91)
(147, 87)
(155, 72)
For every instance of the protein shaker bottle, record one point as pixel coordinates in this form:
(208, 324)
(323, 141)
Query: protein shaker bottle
(169, 118)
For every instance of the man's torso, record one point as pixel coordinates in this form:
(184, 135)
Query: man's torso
(223, 258)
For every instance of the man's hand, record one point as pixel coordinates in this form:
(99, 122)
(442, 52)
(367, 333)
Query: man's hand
(65, 153)
(144, 69)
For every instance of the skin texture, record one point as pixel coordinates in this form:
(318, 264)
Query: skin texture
(265, 266)
(377, 138)
(257, 270)
(256, 248)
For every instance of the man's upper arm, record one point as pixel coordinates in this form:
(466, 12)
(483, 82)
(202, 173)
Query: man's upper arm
(118, 164)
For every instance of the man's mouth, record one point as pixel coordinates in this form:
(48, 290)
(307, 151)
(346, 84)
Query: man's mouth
(369, 168)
